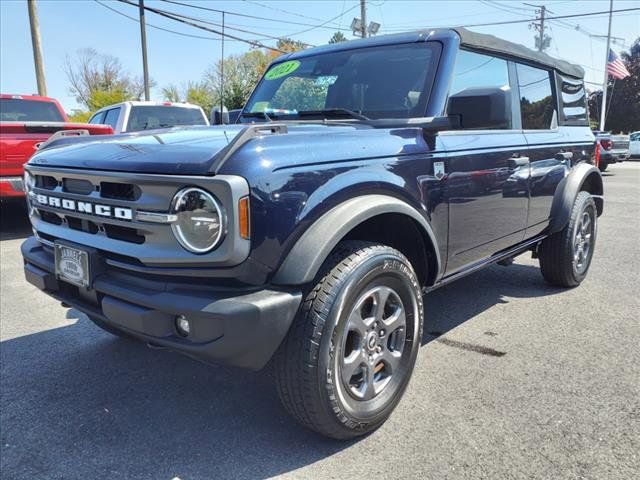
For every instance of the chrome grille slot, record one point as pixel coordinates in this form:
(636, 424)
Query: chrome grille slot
(47, 182)
(125, 234)
(50, 217)
(82, 225)
(120, 191)
(77, 185)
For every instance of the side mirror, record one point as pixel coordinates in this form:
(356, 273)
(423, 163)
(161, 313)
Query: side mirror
(218, 118)
(482, 108)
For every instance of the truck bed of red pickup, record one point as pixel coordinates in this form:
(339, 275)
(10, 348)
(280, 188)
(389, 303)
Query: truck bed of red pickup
(19, 139)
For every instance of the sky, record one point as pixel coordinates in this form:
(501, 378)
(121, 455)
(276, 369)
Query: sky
(69, 25)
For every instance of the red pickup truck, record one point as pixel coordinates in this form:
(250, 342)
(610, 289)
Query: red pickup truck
(25, 122)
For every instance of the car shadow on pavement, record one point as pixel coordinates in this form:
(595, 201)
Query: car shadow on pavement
(76, 402)
(79, 403)
(14, 222)
(452, 305)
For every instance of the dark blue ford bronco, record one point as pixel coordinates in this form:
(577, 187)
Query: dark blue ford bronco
(359, 176)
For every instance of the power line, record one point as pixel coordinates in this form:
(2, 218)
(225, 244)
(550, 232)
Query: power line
(290, 22)
(154, 26)
(322, 24)
(269, 7)
(508, 22)
(186, 22)
(606, 12)
(226, 26)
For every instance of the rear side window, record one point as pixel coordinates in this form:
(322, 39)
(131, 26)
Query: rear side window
(98, 118)
(573, 101)
(145, 117)
(536, 98)
(111, 118)
(19, 110)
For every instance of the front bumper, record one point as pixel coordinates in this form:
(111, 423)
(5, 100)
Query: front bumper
(230, 326)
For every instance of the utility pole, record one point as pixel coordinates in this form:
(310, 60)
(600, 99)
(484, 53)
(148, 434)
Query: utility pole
(363, 17)
(222, 73)
(542, 40)
(37, 47)
(143, 38)
(603, 114)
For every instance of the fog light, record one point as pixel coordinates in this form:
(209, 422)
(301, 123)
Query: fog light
(182, 325)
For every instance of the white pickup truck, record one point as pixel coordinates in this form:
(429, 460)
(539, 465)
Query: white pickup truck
(136, 116)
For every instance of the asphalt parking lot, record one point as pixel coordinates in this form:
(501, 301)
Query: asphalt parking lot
(515, 380)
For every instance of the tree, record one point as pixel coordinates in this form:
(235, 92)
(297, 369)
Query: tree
(241, 74)
(197, 93)
(623, 96)
(171, 94)
(79, 116)
(337, 38)
(289, 45)
(98, 80)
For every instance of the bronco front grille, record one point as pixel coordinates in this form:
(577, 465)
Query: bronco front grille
(100, 209)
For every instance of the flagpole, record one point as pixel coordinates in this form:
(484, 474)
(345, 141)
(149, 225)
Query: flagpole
(606, 74)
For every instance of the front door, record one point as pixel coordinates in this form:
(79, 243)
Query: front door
(487, 191)
(487, 172)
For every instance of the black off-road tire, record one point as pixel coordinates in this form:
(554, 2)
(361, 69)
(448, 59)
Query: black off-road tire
(602, 166)
(557, 252)
(308, 376)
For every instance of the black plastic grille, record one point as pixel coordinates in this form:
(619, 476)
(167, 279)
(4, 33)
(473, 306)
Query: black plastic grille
(120, 191)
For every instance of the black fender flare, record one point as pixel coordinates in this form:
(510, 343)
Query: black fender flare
(568, 190)
(303, 261)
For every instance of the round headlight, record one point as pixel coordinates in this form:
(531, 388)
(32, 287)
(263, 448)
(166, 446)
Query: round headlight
(200, 222)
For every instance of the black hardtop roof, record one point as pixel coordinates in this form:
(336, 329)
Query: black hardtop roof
(473, 40)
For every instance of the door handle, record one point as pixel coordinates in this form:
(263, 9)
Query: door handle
(515, 162)
(564, 156)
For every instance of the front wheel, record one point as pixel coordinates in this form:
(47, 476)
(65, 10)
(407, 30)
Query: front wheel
(602, 166)
(565, 256)
(350, 352)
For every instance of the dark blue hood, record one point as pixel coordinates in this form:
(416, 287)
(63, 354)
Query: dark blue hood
(184, 151)
(195, 150)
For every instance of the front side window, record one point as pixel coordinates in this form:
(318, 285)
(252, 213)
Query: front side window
(391, 81)
(475, 70)
(98, 118)
(147, 117)
(536, 98)
(19, 110)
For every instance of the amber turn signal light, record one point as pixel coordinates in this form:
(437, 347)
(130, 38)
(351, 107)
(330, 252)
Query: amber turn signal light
(243, 214)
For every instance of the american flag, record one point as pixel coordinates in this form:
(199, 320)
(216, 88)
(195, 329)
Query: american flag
(615, 67)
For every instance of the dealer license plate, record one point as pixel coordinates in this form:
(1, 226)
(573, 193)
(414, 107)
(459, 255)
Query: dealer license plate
(72, 265)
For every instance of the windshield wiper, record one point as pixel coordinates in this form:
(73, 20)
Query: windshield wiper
(256, 115)
(333, 112)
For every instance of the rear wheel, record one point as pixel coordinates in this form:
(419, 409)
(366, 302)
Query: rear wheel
(351, 350)
(565, 256)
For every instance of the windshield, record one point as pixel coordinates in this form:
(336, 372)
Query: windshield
(391, 81)
(146, 117)
(19, 110)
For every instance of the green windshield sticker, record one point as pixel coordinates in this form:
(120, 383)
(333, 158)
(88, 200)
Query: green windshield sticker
(282, 69)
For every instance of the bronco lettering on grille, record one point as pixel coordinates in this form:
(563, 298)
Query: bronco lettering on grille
(120, 213)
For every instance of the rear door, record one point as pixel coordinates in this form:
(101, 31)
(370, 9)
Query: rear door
(553, 149)
(487, 172)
